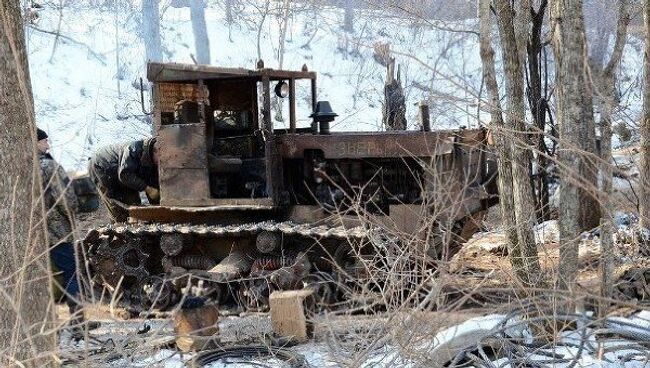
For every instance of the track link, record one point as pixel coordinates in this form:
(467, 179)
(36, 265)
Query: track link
(286, 228)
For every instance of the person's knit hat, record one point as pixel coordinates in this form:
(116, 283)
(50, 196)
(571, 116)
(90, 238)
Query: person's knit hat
(40, 133)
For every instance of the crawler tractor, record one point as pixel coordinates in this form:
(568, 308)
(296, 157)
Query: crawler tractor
(248, 207)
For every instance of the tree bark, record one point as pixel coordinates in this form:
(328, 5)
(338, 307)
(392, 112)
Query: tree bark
(394, 110)
(514, 186)
(644, 170)
(575, 118)
(606, 221)
(497, 128)
(607, 92)
(538, 104)
(26, 318)
(201, 40)
(514, 51)
(151, 32)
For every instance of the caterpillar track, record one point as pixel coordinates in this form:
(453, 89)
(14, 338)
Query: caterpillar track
(129, 259)
(287, 228)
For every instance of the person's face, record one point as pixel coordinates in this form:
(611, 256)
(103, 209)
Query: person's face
(154, 155)
(43, 146)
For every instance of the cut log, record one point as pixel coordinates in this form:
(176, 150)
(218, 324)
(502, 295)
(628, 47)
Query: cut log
(233, 266)
(289, 311)
(196, 328)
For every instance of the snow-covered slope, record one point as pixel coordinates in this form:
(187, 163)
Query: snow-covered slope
(87, 88)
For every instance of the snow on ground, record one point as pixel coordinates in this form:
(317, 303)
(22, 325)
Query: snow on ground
(547, 232)
(620, 346)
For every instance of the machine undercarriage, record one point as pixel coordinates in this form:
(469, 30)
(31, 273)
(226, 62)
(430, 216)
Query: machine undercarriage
(159, 265)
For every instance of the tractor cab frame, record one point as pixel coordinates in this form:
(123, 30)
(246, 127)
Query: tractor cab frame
(231, 136)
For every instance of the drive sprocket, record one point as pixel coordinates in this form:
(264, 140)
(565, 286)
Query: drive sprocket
(120, 259)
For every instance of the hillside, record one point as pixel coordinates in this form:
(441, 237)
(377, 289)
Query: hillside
(87, 81)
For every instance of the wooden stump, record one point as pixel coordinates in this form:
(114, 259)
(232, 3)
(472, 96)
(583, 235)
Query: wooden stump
(289, 311)
(195, 328)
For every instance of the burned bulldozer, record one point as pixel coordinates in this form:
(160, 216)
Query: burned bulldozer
(247, 207)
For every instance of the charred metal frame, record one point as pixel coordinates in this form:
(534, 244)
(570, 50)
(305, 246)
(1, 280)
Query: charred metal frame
(399, 178)
(199, 75)
(281, 145)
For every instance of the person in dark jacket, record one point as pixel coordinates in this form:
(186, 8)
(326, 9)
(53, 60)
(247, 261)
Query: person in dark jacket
(122, 171)
(61, 204)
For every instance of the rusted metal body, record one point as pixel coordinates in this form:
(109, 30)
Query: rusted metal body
(236, 189)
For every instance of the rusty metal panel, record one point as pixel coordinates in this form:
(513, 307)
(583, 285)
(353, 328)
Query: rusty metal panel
(306, 213)
(274, 173)
(222, 214)
(405, 218)
(183, 164)
(168, 94)
(368, 145)
(180, 185)
(233, 94)
(157, 113)
(474, 165)
(472, 137)
(183, 146)
(226, 203)
(167, 72)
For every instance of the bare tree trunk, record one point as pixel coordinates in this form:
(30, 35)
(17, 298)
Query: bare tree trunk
(609, 99)
(606, 222)
(394, 111)
(644, 170)
(264, 12)
(572, 21)
(514, 51)
(348, 18)
(118, 68)
(517, 205)
(284, 24)
(598, 48)
(26, 318)
(504, 159)
(229, 17)
(538, 104)
(151, 33)
(575, 117)
(201, 40)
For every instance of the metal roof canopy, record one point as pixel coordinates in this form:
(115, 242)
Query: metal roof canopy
(176, 72)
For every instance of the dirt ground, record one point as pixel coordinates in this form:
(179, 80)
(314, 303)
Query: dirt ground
(337, 340)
